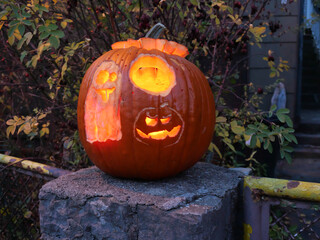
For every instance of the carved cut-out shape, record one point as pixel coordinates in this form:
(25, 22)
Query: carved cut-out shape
(151, 121)
(152, 74)
(165, 120)
(102, 105)
(150, 130)
(160, 135)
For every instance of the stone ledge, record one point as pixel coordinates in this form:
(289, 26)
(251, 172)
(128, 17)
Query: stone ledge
(89, 204)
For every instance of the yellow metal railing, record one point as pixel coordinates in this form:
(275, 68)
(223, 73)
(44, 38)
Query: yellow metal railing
(260, 193)
(32, 166)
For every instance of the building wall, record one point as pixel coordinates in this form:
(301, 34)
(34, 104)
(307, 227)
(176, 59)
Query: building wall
(283, 43)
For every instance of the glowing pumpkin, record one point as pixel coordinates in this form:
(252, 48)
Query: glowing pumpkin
(144, 111)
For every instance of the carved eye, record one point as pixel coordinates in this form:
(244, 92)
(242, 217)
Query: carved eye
(104, 76)
(113, 77)
(151, 121)
(165, 120)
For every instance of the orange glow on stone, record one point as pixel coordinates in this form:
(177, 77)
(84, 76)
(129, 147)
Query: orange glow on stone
(151, 121)
(162, 45)
(160, 135)
(152, 74)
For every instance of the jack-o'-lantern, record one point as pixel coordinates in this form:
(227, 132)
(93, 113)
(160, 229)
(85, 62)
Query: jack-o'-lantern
(144, 111)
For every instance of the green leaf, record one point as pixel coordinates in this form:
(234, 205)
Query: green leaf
(217, 150)
(253, 141)
(288, 121)
(52, 26)
(27, 214)
(194, 2)
(11, 30)
(57, 33)
(288, 157)
(54, 42)
(20, 43)
(270, 148)
(43, 28)
(27, 22)
(281, 117)
(273, 108)
(44, 35)
(21, 29)
(13, 23)
(23, 54)
(288, 149)
(25, 14)
(294, 139)
(288, 137)
(4, 13)
(250, 131)
(283, 111)
(229, 145)
(69, 144)
(266, 144)
(290, 130)
(254, 127)
(42, 8)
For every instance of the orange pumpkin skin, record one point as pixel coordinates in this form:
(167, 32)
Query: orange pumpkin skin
(131, 151)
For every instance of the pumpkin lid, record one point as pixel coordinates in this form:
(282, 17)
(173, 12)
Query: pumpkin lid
(162, 45)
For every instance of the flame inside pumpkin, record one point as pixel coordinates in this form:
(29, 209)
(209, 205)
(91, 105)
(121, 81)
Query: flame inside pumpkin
(152, 74)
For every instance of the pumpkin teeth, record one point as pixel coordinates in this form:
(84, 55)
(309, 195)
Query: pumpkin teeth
(160, 135)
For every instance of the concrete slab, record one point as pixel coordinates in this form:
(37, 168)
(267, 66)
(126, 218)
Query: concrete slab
(200, 203)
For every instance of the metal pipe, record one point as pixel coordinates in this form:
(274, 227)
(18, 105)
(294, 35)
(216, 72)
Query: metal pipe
(33, 166)
(283, 188)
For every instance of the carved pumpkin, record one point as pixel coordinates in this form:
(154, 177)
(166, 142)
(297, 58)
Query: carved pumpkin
(144, 111)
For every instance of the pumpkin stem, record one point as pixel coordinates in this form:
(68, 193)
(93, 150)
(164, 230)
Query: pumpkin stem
(156, 31)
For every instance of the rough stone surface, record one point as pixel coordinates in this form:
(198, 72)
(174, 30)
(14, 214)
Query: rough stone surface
(198, 204)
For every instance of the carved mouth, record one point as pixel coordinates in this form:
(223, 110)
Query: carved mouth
(160, 135)
(105, 93)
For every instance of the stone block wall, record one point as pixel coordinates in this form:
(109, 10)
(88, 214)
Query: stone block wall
(201, 203)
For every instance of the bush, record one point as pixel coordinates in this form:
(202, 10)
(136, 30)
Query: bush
(46, 49)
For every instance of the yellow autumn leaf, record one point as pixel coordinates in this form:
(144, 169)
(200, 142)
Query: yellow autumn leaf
(17, 34)
(2, 22)
(247, 231)
(257, 31)
(221, 119)
(64, 24)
